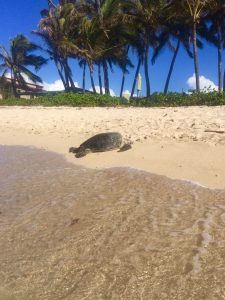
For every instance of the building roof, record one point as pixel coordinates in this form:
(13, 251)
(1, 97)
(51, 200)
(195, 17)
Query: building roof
(33, 87)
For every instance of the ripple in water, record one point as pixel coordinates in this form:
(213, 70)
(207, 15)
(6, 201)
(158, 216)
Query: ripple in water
(71, 233)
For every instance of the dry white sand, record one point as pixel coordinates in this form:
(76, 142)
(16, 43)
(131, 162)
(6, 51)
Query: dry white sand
(185, 143)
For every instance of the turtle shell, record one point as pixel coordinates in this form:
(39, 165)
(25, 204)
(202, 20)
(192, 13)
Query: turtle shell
(103, 142)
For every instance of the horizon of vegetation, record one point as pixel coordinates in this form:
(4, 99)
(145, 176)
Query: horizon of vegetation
(102, 33)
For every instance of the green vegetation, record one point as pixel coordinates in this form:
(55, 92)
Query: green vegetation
(92, 100)
(101, 34)
(65, 99)
(176, 99)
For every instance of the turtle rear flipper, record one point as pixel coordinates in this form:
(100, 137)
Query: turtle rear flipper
(125, 147)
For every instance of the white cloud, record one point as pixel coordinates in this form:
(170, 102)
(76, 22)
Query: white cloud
(97, 87)
(205, 83)
(57, 85)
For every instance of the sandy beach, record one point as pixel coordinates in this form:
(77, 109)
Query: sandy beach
(184, 143)
(74, 232)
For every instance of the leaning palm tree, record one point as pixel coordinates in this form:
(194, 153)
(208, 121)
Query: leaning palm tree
(54, 29)
(51, 30)
(191, 12)
(17, 60)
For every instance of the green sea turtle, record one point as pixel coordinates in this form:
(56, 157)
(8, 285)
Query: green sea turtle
(100, 143)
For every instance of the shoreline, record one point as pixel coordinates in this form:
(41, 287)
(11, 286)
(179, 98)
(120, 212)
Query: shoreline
(180, 150)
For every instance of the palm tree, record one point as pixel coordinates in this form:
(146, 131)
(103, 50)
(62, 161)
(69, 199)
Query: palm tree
(145, 15)
(90, 31)
(191, 12)
(102, 35)
(136, 76)
(217, 34)
(84, 76)
(100, 78)
(224, 81)
(137, 46)
(173, 30)
(18, 59)
(83, 64)
(115, 32)
(52, 36)
(124, 70)
(54, 29)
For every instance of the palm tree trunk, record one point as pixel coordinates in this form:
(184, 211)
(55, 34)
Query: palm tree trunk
(220, 50)
(147, 72)
(195, 51)
(68, 75)
(122, 85)
(92, 79)
(106, 77)
(13, 81)
(135, 77)
(171, 67)
(224, 81)
(65, 76)
(71, 80)
(64, 73)
(84, 76)
(67, 80)
(123, 78)
(60, 73)
(72, 85)
(100, 78)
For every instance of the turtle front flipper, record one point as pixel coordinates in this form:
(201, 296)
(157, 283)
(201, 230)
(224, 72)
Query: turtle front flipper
(125, 147)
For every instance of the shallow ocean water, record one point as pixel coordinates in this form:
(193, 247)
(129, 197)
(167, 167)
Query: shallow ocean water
(68, 232)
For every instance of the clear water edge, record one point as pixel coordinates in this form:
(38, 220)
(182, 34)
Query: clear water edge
(67, 232)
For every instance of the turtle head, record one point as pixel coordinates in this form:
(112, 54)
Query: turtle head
(73, 150)
(82, 152)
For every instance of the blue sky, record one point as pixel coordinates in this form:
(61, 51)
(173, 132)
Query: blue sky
(23, 16)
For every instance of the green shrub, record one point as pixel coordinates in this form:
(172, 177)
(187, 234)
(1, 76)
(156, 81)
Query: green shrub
(91, 100)
(176, 99)
(65, 99)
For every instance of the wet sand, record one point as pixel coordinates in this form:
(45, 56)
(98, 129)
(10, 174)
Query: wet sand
(68, 232)
(183, 143)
